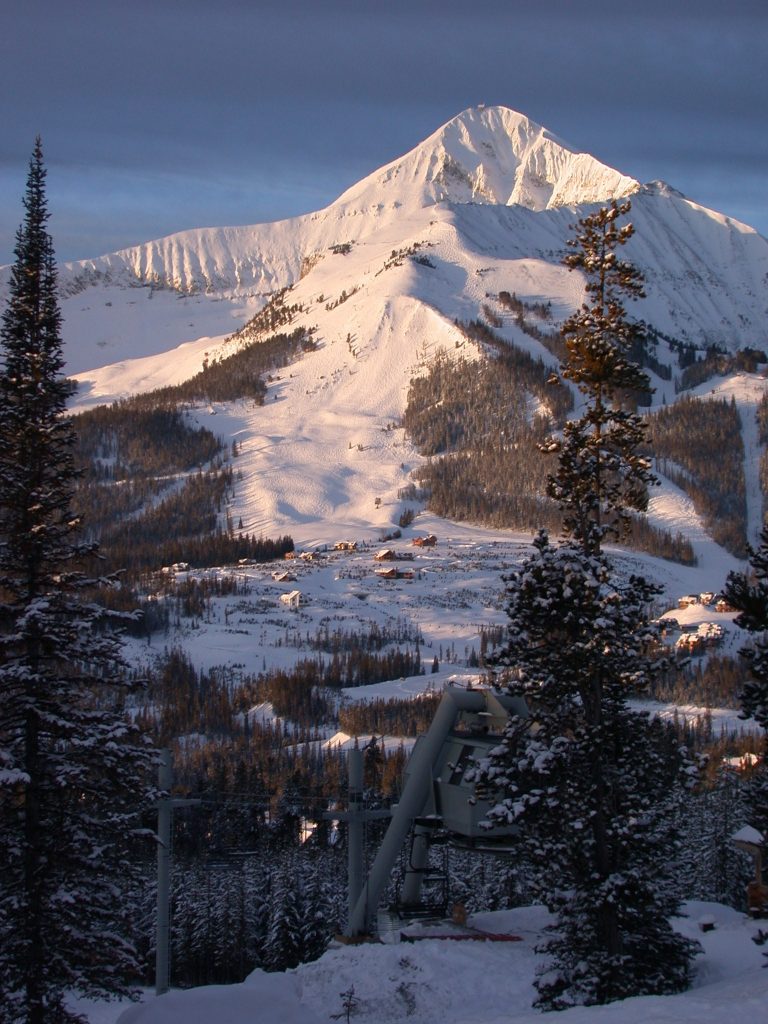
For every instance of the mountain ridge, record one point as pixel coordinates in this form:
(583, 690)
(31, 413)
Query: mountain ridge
(487, 171)
(381, 287)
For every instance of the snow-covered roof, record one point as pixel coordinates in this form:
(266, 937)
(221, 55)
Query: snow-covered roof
(748, 834)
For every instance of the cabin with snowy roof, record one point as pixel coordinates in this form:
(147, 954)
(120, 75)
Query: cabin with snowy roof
(393, 573)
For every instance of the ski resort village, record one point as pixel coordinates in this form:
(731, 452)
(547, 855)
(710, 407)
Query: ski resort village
(383, 605)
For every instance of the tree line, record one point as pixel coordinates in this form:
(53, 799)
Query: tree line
(487, 464)
(698, 445)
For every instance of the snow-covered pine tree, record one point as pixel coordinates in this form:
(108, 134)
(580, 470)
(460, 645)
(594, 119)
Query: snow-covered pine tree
(748, 593)
(283, 947)
(318, 921)
(710, 866)
(590, 783)
(72, 768)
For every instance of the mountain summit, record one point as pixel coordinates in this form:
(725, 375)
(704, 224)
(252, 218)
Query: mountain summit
(492, 155)
(491, 196)
(485, 155)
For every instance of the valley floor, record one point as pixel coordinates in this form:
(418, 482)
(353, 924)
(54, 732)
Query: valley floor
(443, 601)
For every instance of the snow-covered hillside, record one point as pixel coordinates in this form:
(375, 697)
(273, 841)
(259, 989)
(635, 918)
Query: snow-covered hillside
(484, 205)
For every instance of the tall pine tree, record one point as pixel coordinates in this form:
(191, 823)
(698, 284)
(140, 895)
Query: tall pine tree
(71, 765)
(591, 784)
(601, 476)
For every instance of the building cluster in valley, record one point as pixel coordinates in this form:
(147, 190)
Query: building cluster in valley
(697, 638)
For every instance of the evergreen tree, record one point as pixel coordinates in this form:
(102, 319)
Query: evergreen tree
(284, 947)
(711, 867)
(70, 762)
(318, 915)
(748, 593)
(601, 475)
(591, 784)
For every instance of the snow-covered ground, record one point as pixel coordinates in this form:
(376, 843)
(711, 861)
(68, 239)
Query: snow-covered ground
(456, 588)
(456, 592)
(466, 982)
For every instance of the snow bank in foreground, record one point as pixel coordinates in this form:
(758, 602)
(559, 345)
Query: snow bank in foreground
(266, 998)
(443, 982)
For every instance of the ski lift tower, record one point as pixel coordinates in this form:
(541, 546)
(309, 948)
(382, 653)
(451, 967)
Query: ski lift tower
(468, 724)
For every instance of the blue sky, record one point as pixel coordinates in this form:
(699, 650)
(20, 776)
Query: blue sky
(171, 114)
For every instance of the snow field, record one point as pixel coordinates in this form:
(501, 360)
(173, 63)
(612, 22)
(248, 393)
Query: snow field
(444, 982)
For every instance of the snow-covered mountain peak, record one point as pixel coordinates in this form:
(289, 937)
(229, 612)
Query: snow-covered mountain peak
(491, 192)
(492, 155)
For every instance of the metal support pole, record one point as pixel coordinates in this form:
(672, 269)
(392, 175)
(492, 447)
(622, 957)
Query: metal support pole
(355, 816)
(355, 828)
(417, 865)
(164, 817)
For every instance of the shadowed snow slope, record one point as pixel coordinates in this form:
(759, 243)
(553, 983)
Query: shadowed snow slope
(443, 982)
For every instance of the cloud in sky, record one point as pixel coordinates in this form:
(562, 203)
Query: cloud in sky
(158, 116)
